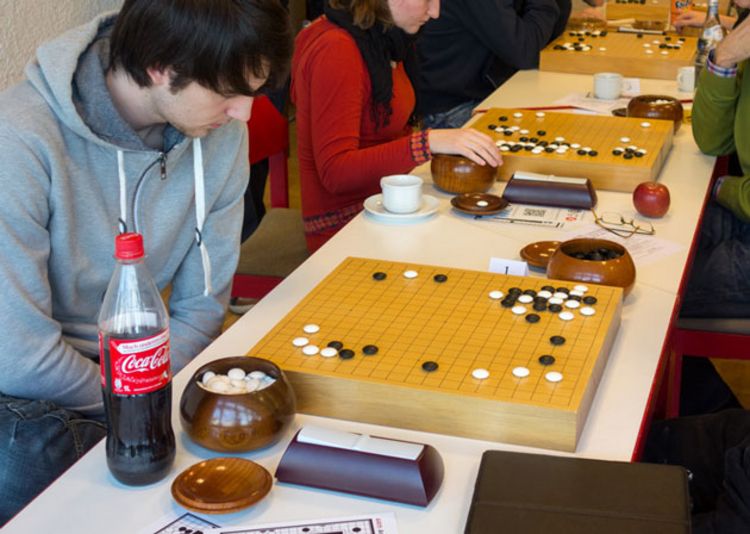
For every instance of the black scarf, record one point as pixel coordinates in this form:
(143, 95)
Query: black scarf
(379, 47)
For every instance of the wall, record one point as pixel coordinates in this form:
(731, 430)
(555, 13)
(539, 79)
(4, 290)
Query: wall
(27, 23)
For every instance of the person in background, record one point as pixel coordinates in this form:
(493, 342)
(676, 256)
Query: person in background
(475, 46)
(352, 74)
(715, 447)
(135, 121)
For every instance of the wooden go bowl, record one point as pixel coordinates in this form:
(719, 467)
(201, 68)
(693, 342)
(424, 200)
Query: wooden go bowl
(457, 174)
(240, 422)
(656, 107)
(618, 272)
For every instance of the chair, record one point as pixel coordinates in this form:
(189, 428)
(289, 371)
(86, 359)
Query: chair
(277, 246)
(722, 338)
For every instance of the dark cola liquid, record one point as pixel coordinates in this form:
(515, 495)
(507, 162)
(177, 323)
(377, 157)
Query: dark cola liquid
(140, 439)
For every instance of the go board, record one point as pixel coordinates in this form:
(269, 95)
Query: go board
(630, 54)
(431, 333)
(646, 10)
(651, 139)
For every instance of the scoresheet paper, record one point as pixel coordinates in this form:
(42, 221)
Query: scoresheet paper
(383, 523)
(533, 215)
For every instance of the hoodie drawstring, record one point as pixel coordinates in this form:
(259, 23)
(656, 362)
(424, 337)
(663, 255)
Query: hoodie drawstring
(200, 207)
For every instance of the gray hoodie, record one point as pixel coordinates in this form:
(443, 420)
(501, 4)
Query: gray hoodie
(60, 204)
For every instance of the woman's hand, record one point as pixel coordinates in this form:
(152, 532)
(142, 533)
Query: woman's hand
(689, 18)
(466, 142)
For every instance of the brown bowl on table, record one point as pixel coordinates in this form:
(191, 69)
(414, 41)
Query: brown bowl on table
(618, 272)
(237, 422)
(457, 174)
(656, 107)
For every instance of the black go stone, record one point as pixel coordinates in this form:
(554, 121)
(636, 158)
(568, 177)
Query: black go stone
(617, 151)
(430, 366)
(589, 300)
(491, 127)
(523, 139)
(379, 276)
(593, 153)
(532, 318)
(640, 36)
(508, 132)
(563, 290)
(515, 291)
(508, 303)
(555, 308)
(638, 154)
(557, 340)
(581, 152)
(533, 139)
(548, 288)
(574, 297)
(518, 148)
(549, 149)
(529, 292)
(346, 354)
(369, 350)
(546, 359)
(540, 306)
(541, 133)
(603, 33)
(440, 278)
(667, 38)
(338, 345)
(628, 155)
(503, 118)
(528, 148)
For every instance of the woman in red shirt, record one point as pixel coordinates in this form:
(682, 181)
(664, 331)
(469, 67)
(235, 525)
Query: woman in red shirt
(351, 75)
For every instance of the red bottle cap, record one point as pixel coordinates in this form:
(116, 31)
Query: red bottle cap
(129, 246)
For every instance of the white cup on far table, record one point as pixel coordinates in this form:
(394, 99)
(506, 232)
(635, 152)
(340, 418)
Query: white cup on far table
(607, 85)
(686, 79)
(402, 193)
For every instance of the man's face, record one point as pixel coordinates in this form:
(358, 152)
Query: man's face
(196, 110)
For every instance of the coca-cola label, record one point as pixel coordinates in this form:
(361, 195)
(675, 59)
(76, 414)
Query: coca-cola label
(139, 365)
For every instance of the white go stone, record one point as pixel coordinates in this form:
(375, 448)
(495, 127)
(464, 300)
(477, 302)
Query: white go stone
(540, 114)
(575, 293)
(587, 311)
(253, 385)
(256, 375)
(572, 304)
(544, 294)
(553, 376)
(311, 328)
(496, 294)
(480, 374)
(525, 299)
(518, 310)
(645, 124)
(410, 274)
(582, 288)
(310, 350)
(208, 375)
(624, 139)
(602, 49)
(328, 352)
(218, 386)
(649, 51)
(520, 372)
(300, 341)
(555, 300)
(560, 295)
(518, 114)
(236, 373)
(523, 132)
(482, 203)
(566, 315)
(238, 383)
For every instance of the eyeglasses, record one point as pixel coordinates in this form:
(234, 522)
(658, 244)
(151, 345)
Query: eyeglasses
(622, 227)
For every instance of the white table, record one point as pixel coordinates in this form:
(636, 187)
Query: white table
(88, 500)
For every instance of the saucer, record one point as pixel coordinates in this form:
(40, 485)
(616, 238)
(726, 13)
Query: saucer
(374, 207)
(538, 254)
(479, 203)
(221, 485)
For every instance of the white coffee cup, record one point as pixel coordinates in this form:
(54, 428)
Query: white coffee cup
(686, 79)
(402, 193)
(607, 85)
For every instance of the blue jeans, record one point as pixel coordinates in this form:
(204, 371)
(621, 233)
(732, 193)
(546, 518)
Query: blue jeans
(38, 442)
(719, 284)
(453, 118)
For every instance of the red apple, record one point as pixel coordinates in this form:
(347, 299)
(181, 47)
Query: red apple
(651, 199)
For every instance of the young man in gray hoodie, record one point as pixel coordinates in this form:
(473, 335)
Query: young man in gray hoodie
(133, 122)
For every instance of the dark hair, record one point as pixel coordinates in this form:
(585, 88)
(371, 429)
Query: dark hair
(365, 13)
(215, 43)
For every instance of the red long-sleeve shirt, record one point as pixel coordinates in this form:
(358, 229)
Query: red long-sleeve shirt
(342, 155)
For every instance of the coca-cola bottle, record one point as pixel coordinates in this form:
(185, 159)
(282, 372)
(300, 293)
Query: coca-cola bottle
(136, 375)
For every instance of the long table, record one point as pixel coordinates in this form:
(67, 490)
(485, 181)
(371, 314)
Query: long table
(86, 499)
